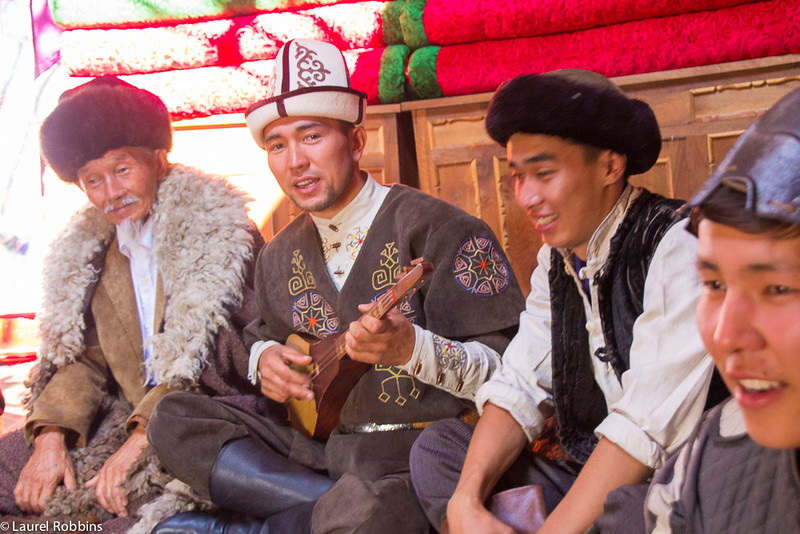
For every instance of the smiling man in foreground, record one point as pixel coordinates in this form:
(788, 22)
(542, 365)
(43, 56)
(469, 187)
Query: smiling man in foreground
(607, 341)
(745, 452)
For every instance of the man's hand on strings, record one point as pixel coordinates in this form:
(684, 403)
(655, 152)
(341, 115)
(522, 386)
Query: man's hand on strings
(387, 341)
(280, 382)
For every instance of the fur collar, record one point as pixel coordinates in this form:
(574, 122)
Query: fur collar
(202, 266)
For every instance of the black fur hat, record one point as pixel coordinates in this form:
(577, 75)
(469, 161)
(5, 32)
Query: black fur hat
(98, 116)
(579, 105)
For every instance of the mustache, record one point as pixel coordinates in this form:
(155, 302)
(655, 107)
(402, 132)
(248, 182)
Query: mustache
(126, 201)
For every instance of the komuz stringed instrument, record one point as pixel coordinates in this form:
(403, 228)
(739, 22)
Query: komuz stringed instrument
(333, 375)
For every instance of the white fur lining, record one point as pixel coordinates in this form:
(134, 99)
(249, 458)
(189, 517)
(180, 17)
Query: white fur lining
(202, 245)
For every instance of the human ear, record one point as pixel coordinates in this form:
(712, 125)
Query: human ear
(161, 163)
(615, 164)
(358, 142)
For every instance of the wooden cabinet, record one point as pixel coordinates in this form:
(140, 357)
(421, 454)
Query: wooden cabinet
(701, 112)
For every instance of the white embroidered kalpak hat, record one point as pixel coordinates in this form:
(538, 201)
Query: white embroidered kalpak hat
(310, 80)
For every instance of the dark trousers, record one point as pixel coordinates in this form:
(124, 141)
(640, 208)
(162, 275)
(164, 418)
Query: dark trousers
(188, 430)
(437, 458)
(14, 454)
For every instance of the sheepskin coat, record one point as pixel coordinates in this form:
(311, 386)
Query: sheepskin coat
(205, 246)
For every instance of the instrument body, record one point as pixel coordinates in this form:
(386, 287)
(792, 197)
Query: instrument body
(333, 374)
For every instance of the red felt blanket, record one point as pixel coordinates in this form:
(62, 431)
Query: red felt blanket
(748, 31)
(445, 22)
(208, 91)
(226, 42)
(74, 14)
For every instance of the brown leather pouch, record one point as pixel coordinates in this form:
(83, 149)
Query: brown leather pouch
(520, 508)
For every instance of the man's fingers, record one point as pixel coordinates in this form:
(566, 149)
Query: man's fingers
(23, 498)
(279, 381)
(69, 479)
(108, 490)
(99, 490)
(294, 356)
(282, 390)
(31, 498)
(32, 491)
(116, 498)
(41, 497)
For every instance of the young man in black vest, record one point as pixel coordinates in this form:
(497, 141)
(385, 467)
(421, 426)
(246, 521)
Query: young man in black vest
(608, 340)
(317, 276)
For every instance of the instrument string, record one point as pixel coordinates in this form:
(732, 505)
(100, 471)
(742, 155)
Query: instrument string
(333, 353)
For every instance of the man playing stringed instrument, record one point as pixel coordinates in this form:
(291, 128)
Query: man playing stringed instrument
(419, 357)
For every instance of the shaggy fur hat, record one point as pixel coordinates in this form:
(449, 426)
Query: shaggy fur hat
(98, 116)
(579, 105)
(310, 79)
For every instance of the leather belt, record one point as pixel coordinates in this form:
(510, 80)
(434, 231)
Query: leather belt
(468, 416)
(369, 428)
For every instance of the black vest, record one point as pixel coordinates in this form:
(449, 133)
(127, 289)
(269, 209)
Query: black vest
(579, 402)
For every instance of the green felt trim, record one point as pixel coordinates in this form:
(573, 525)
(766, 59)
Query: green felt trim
(390, 18)
(422, 72)
(412, 23)
(391, 78)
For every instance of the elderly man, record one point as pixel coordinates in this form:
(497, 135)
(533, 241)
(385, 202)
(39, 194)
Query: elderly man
(145, 291)
(423, 360)
(607, 340)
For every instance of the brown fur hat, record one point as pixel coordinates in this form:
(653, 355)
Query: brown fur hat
(579, 105)
(98, 116)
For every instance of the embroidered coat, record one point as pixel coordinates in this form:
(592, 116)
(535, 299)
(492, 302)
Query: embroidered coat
(472, 295)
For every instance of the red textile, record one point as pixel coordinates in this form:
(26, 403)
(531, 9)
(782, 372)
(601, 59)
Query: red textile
(224, 42)
(208, 91)
(85, 14)
(749, 31)
(467, 21)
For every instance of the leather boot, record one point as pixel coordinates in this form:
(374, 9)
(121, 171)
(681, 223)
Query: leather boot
(296, 520)
(211, 523)
(251, 478)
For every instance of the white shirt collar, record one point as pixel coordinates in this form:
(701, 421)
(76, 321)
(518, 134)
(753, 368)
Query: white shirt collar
(343, 235)
(136, 243)
(366, 202)
(599, 243)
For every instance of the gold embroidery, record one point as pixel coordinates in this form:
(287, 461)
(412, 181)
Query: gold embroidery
(386, 276)
(396, 376)
(302, 280)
